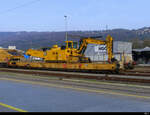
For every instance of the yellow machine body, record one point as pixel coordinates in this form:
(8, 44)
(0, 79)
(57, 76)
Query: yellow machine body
(71, 53)
(35, 53)
(66, 66)
(8, 54)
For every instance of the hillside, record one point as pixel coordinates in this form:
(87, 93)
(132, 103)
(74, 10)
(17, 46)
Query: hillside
(25, 40)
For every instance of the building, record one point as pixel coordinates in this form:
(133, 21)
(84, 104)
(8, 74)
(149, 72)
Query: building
(141, 56)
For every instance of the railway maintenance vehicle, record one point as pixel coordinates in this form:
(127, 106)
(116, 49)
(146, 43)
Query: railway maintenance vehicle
(70, 57)
(7, 54)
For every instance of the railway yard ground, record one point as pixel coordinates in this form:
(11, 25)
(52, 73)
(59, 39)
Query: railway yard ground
(25, 90)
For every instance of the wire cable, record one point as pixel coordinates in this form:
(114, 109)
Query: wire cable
(20, 6)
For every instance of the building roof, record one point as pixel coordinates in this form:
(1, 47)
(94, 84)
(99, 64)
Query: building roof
(142, 50)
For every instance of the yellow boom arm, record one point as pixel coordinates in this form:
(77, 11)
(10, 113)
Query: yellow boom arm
(109, 42)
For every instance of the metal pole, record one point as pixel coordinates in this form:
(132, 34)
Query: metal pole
(106, 27)
(66, 27)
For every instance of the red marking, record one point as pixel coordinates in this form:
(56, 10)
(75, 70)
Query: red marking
(109, 61)
(134, 63)
(80, 65)
(64, 65)
(6, 59)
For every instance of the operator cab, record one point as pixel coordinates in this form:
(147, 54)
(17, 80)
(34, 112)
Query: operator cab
(71, 45)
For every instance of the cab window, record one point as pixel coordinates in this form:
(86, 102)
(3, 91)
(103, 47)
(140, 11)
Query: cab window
(69, 45)
(75, 45)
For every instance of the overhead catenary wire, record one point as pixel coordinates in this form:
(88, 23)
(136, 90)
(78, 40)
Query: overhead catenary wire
(19, 6)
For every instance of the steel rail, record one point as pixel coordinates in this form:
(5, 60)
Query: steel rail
(61, 75)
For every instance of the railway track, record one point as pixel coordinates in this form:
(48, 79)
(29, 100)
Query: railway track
(124, 77)
(135, 71)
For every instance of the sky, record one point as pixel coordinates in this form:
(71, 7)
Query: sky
(48, 15)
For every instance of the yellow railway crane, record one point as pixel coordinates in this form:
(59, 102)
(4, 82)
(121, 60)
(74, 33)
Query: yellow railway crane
(71, 52)
(70, 57)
